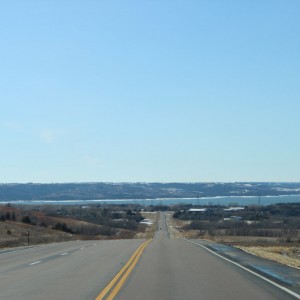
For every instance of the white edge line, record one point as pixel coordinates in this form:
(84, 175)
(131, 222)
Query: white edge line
(248, 270)
(35, 263)
(14, 251)
(66, 253)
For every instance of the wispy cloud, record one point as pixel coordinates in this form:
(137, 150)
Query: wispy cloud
(48, 136)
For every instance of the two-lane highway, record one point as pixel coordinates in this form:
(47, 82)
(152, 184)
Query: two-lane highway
(176, 269)
(165, 269)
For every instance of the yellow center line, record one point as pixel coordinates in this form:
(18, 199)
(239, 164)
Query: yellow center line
(117, 288)
(133, 260)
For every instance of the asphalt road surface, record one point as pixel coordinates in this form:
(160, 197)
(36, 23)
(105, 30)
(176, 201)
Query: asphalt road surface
(167, 269)
(176, 269)
(73, 270)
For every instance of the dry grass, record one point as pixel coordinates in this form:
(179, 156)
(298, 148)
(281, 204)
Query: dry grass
(282, 254)
(150, 229)
(243, 240)
(16, 234)
(175, 228)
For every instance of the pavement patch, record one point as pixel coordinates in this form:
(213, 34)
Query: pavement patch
(271, 273)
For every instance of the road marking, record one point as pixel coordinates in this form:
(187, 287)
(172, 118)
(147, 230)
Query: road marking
(118, 287)
(123, 274)
(66, 253)
(35, 263)
(297, 296)
(14, 251)
(82, 248)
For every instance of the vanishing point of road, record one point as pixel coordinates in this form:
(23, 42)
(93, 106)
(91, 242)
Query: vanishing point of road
(162, 268)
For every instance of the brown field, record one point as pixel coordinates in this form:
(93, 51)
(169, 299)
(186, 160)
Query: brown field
(14, 233)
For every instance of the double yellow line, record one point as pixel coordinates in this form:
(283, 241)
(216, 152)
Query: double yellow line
(116, 284)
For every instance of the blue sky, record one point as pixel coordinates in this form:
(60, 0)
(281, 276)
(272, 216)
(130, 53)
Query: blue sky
(149, 91)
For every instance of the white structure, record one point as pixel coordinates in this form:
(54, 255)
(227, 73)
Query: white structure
(198, 209)
(234, 208)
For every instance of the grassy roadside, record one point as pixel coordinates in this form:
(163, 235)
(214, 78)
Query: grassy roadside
(151, 221)
(266, 247)
(287, 255)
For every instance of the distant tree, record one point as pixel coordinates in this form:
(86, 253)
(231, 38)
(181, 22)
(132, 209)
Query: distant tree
(7, 216)
(130, 224)
(57, 226)
(2, 218)
(116, 215)
(65, 228)
(43, 224)
(176, 214)
(107, 231)
(62, 227)
(138, 217)
(26, 220)
(13, 216)
(105, 212)
(129, 212)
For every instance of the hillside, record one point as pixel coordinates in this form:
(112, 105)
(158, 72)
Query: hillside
(51, 224)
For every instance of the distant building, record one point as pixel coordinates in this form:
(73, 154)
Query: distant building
(197, 210)
(234, 208)
(233, 218)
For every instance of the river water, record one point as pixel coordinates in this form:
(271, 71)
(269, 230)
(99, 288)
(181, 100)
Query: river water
(221, 200)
